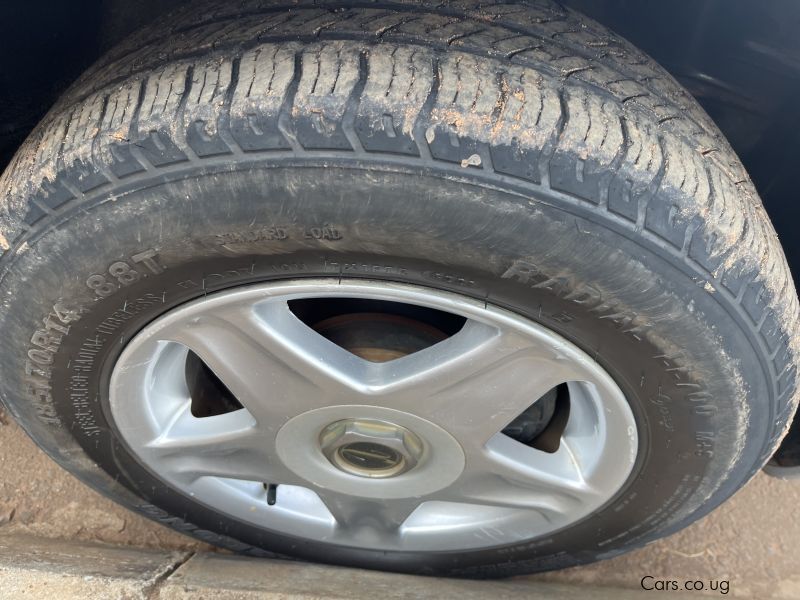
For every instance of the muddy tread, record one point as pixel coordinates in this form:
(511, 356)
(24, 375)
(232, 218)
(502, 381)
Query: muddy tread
(557, 38)
(524, 93)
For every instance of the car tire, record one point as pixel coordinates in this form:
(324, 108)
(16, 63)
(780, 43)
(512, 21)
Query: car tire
(516, 155)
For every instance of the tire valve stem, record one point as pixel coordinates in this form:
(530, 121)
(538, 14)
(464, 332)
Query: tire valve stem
(272, 492)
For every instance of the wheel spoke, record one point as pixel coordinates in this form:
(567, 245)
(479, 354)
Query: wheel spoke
(273, 363)
(512, 475)
(228, 445)
(378, 517)
(476, 382)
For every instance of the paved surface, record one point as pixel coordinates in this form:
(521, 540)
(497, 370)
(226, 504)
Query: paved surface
(39, 568)
(36, 568)
(753, 542)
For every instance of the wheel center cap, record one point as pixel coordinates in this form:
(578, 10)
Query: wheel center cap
(380, 453)
(371, 448)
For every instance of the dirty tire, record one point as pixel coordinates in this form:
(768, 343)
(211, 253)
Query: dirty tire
(517, 153)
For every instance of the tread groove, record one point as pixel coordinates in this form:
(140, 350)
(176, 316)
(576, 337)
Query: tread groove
(420, 131)
(284, 115)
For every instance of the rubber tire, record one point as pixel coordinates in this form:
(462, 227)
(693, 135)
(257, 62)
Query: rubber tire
(518, 153)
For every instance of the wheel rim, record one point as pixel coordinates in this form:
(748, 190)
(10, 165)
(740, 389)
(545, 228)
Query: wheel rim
(443, 407)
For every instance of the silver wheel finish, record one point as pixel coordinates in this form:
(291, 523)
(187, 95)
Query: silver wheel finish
(470, 486)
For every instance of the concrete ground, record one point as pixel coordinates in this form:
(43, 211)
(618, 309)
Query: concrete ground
(33, 567)
(752, 542)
